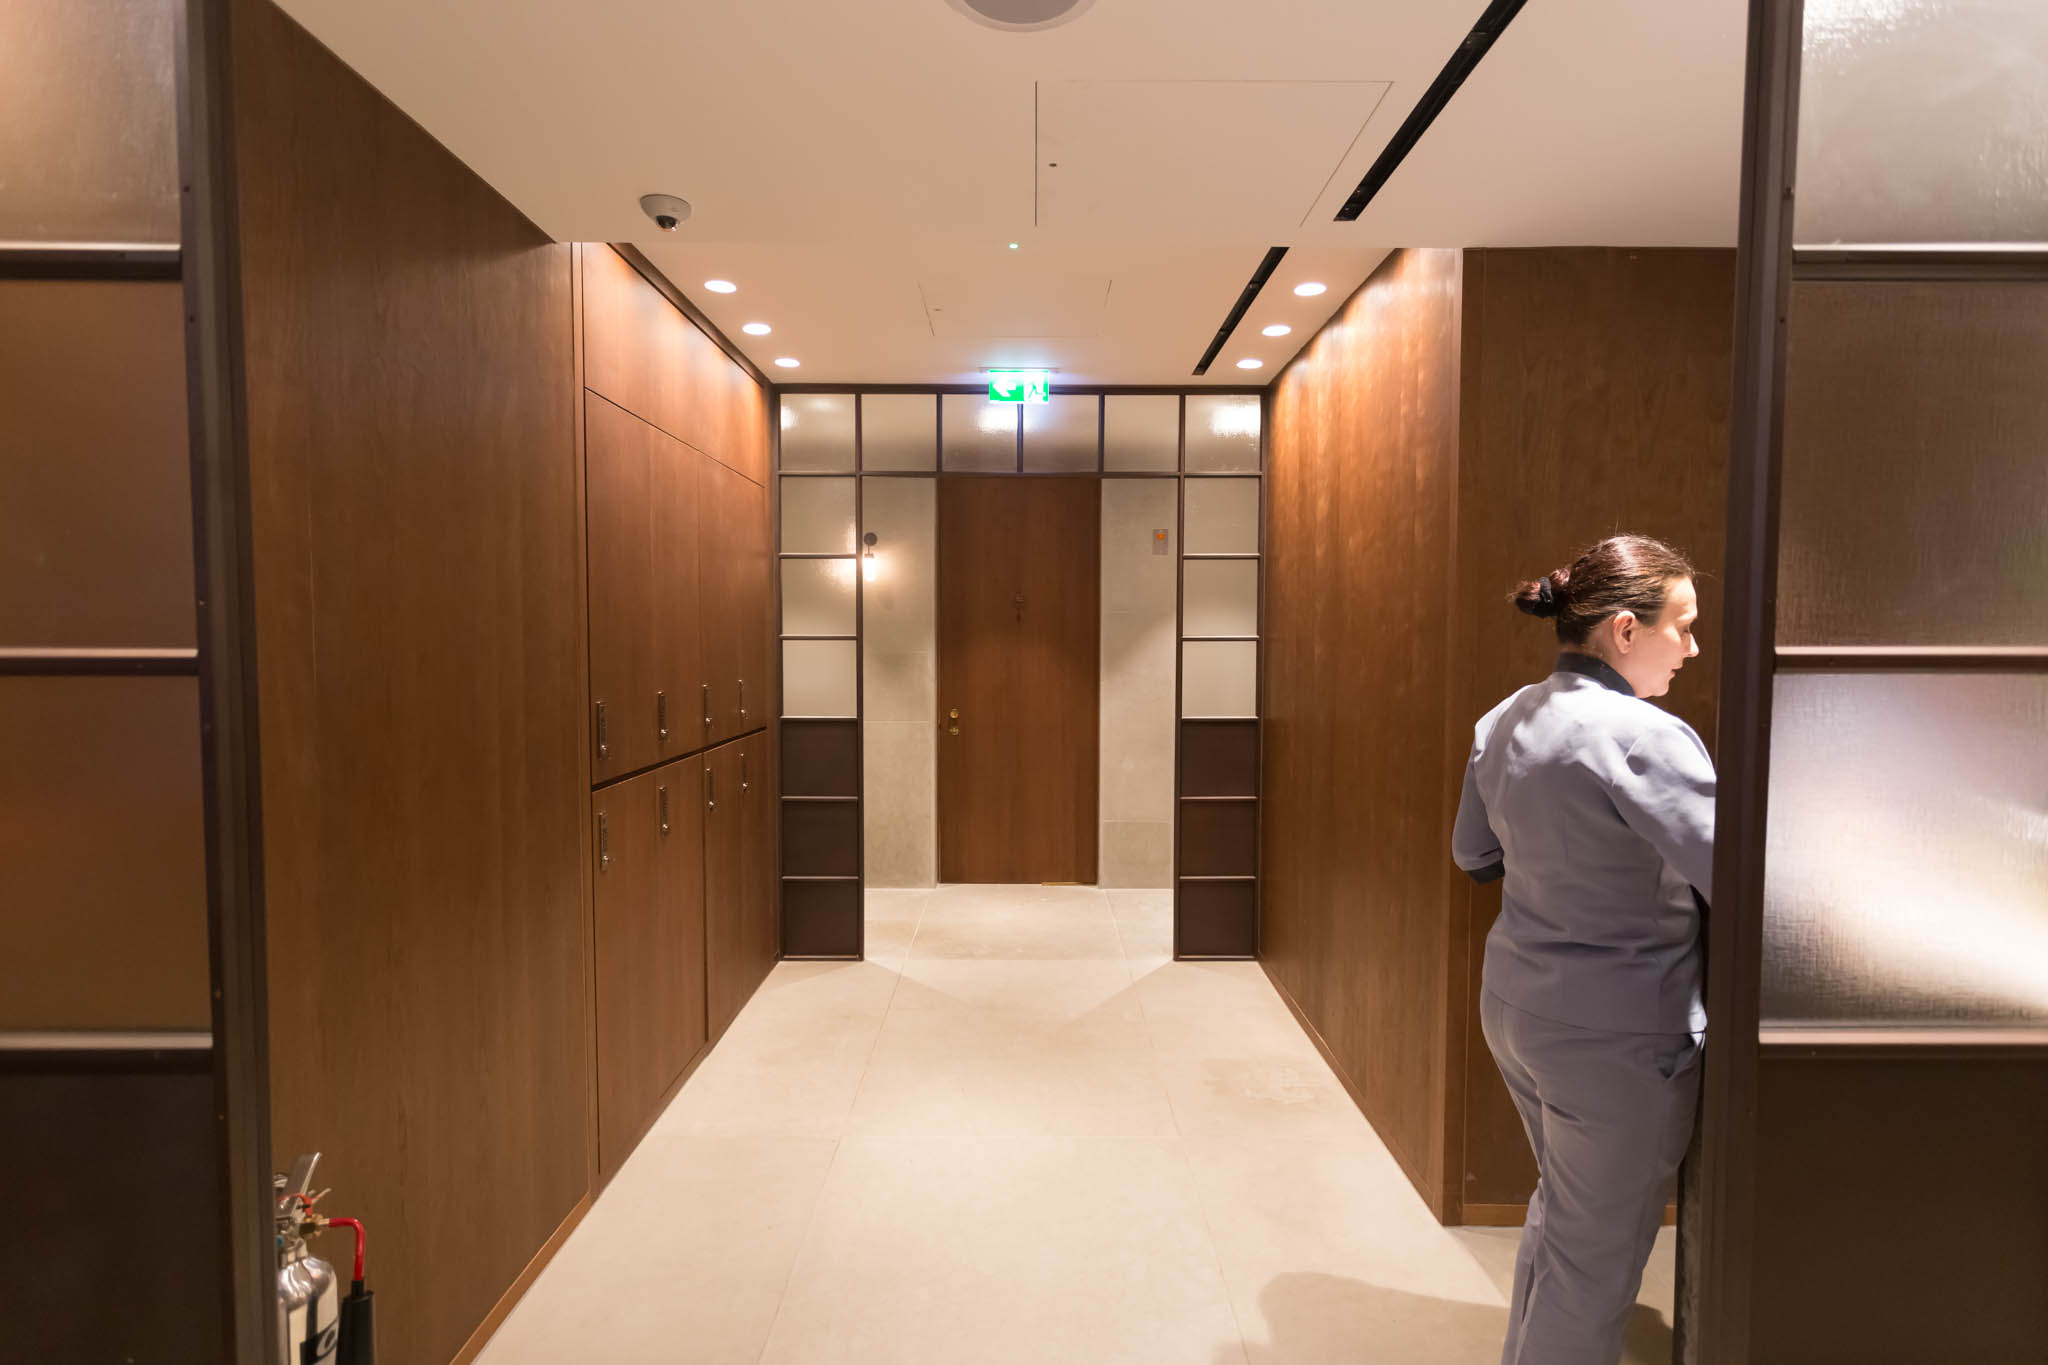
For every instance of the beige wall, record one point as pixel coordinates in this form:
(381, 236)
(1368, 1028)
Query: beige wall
(1138, 638)
(900, 737)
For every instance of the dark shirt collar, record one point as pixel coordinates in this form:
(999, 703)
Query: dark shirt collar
(1599, 670)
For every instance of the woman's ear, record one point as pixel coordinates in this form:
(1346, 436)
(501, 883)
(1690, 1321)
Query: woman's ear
(1624, 630)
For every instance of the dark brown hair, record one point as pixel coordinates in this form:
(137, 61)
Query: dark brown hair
(1621, 573)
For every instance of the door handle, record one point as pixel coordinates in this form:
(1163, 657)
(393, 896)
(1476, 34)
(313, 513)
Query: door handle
(604, 748)
(661, 715)
(953, 726)
(743, 698)
(707, 705)
(604, 842)
(744, 784)
(664, 808)
(710, 790)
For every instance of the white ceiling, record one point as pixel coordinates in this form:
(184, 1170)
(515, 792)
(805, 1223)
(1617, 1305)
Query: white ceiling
(859, 167)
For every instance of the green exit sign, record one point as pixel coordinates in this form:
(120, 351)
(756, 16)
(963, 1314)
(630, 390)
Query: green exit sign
(1020, 386)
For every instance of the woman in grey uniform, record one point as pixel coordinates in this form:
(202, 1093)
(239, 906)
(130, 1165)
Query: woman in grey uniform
(1598, 809)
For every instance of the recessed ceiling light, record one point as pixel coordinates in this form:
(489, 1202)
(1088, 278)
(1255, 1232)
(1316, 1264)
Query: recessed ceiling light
(1310, 289)
(1013, 246)
(757, 329)
(1278, 329)
(728, 287)
(788, 362)
(1250, 362)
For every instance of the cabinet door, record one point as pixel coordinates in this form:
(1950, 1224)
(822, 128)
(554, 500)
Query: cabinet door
(618, 462)
(720, 548)
(677, 598)
(632, 1055)
(679, 813)
(759, 807)
(725, 925)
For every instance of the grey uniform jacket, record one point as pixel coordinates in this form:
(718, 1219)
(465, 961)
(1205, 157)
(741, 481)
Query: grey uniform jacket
(1598, 808)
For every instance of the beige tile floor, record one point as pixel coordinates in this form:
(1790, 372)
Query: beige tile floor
(1020, 1133)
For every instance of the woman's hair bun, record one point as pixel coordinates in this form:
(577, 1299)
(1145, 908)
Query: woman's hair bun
(1541, 596)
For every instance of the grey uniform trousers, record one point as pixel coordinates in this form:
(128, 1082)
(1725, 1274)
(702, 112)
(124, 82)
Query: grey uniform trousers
(1609, 1116)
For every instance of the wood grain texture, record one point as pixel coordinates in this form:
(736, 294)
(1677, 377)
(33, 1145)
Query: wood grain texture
(95, 475)
(1905, 1204)
(411, 414)
(653, 876)
(1019, 563)
(739, 928)
(1596, 385)
(1360, 483)
(620, 453)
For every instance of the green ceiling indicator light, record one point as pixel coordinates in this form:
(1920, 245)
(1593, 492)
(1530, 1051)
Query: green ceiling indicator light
(1020, 386)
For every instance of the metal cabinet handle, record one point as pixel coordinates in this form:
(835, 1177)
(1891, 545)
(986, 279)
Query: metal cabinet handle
(707, 704)
(604, 747)
(662, 792)
(661, 715)
(743, 698)
(953, 722)
(744, 784)
(710, 790)
(604, 842)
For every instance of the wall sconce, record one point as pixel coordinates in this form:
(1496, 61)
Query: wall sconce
(869, 566)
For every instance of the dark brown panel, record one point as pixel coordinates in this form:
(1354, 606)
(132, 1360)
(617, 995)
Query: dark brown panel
(1020, 583)
(86, 1151)
(1596, 386)
(1915, 486)
(95, 478)
(821, 839)
(821, 758)
(1219, 838)
(640, 352)
(649, 834)
(1216, 919)
(677, 625)
(1362, 445)
(103, 840)
(1902, 1211)
(411, 409)
(1219, 758)
(760, 831)
(821, 919)
(620, 452)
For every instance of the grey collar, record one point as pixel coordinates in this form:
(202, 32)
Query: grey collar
(1599, 670)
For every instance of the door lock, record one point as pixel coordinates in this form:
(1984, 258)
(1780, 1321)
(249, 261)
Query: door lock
(954, 718)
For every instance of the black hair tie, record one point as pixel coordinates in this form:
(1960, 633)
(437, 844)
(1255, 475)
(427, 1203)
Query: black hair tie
(1546, 594)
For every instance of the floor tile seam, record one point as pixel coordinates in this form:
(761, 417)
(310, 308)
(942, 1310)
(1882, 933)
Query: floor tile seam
(1158, 1063)
(803, 1244)
(1201, 1207)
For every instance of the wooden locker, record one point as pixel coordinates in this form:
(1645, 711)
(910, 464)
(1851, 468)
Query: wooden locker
(725, 901)
(677, 598)
(725, 551)
(756, 597)
(760, 809)
(619, 460)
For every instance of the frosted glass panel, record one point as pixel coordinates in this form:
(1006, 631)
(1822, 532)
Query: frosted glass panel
(817, 516)
(1223, 433)
(980, 436)
(1141, 432)
(1221, 597)
(1222, 516)
(1914, 505)
(1219, 678)
(1908, 850)
(818, 678)
(817, 596)
(817, 432)
(1061, 437)
(899, 431)
(89, 121)
(1923, 121)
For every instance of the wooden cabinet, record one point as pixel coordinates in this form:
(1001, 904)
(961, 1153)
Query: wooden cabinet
(677, 622)
(738, 630)
(739, 896)
(649, 840)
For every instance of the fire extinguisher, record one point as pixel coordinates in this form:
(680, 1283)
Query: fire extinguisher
(315, 1325)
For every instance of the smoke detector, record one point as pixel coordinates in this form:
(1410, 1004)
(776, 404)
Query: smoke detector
(1021, 16)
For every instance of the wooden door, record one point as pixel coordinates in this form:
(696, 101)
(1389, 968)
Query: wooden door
(618, 458)
(721, 548)
(724, 885)
(756, 595)
(680, 824)
(1020, 588)
(676, 599)
(760, 805)
(646, 955)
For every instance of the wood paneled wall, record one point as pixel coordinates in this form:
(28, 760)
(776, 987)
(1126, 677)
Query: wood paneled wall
(1467, 420)
(1361, 476)
(411, 406)
(1595, 400)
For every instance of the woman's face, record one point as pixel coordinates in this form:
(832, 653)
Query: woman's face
(1649, 654)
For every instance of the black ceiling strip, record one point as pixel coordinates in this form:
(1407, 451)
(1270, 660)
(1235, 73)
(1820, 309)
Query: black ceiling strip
(1474, 46)
(1242, 306)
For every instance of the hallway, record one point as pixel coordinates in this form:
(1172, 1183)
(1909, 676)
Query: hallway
(1020, 1132)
